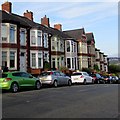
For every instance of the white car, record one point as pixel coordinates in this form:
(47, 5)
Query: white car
(81, 77)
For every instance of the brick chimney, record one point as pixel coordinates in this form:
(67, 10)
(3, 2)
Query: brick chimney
(7, 6)
(58, 26)
(28, 14)
(45, 21)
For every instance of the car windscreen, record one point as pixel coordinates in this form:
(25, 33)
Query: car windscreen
(74, 74)
(4, 75)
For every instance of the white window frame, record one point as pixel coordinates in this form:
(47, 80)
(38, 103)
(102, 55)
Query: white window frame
(36, 52)
(8, 56)
(31, 44)
(40, 39)
(4, 24)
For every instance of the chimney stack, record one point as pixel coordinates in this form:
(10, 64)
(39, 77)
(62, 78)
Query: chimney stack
(7, 7)
(45, 21)
(28, 14)
(58, 27)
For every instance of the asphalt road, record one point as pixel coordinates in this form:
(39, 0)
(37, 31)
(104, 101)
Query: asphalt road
(77, 101)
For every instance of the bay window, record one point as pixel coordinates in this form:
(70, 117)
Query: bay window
(4, 32)
(12, 33)
(4, 58)
(68, 46)
(32, 37)
(36, 59)
(39, 60)
(9, 59)
(12, 59)
(39, 38)
(33, 59)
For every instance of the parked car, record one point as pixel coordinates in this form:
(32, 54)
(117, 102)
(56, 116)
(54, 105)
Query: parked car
(54, 78)
(81, 77)
(97, 78)
(14, 81)
(108, 79)
(115, 79)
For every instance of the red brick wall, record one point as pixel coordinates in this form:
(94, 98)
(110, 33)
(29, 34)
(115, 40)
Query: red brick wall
(45, 21)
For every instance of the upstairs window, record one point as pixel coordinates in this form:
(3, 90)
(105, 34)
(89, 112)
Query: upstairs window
(4, 33)
(12, 33)
(45, 40)
(68, 46)
(39, 38)
(33, 38)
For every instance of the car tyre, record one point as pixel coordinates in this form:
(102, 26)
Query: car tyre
(14, 87)
(98, 82)
(55, 84)
(69, 82)
(84, 82)
(37, 85)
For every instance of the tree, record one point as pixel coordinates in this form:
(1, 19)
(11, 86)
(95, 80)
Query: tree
(96, 67)
(46, 65)
(114, 68)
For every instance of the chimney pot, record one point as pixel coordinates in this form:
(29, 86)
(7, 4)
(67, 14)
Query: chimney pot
(28, 15)
(7, 6)
(58, 27)
(45, 21)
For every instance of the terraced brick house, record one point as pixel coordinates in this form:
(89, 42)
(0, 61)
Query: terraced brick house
(80, 37)
(97, 56)
(25, 44)
(91, 49)
(57, 44)
(105, 63)
(101, 61)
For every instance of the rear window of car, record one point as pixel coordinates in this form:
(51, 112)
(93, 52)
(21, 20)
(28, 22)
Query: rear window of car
(16, 74)
(74, 74)
(4, 75)
(93, 75)
(45, 73)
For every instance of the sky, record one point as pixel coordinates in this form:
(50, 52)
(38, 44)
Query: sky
(97, 16)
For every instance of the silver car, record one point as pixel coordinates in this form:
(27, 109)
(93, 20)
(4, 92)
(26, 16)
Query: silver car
(54, 78)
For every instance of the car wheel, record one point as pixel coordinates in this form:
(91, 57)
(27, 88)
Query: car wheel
(84, 82)
(69, 83)
(98, 82)
(55, 83)
(14, 87)
(92, 81)
(38, 85)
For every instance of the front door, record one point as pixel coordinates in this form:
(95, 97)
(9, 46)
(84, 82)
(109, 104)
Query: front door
(23, 62)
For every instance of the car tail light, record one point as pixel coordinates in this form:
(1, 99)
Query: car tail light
(81, 76)
(7, 79)
(51, 73)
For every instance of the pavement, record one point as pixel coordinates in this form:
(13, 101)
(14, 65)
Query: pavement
(77, 101)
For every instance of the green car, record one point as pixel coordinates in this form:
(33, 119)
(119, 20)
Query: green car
(16, 80)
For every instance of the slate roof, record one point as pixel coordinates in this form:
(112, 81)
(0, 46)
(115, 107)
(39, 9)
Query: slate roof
(90, 37)
(23, 21)
(76, 34)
